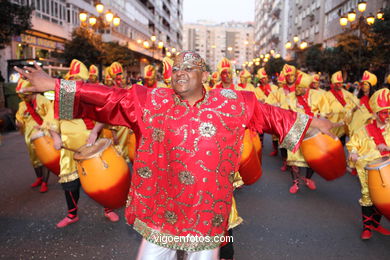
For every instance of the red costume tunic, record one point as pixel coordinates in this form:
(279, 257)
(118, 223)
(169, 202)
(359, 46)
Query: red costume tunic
(187, 155)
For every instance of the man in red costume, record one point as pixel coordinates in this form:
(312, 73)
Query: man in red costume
(181, 191)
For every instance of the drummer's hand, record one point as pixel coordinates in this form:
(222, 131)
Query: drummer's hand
(383, 148)
(324, 125)
(57, 143)
(353, 157)
(92, 138)
(40, 80)
(355, 108)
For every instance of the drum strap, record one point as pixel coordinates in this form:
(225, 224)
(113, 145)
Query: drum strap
(339, 96)
(376, 133)
(89, 123)
(302, 100)
(33, 113)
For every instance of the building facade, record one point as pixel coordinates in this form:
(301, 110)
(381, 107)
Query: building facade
(54, 20)
(215, 41)
(311, 21)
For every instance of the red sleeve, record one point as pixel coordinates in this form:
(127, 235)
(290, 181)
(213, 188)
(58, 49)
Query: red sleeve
(110, 105)
(288, 125)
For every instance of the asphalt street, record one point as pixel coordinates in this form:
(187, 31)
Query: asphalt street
(320, 224)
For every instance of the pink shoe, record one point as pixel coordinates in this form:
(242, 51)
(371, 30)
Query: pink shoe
(37, 182)
(112, 216)
(273, 153)
(67, 221)
(44, 187)
(284, 167)
(295, 187)
(310, 184)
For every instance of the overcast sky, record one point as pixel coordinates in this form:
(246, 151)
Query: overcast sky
(219, 10)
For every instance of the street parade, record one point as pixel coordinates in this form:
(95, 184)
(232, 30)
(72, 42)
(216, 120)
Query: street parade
(155, 150)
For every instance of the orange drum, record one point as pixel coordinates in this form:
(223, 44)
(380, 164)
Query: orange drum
(47, 154)
(106, 133)
(103, 173)
(379, 184)
(250, 165)
(324, 155)
(132, 146)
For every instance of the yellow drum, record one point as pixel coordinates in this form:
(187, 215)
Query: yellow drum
(250, 165)
(324, 155)
(47, 154)
(106, 133)
(103, 173)
(132, 145)
(379, 184)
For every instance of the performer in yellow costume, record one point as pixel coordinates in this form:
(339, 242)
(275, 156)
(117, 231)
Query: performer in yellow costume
(72, 134)
(150, 77)
(356, 118)
(286, 79)
(214, 79)
(116, 73)
(225, 70)
(29, 116)
(93, 74)
(366, 145)
(310, 102)
(167, 71)
(340, 102)
(263, 91)
(108, 81)
(265, 87)
(316, 83)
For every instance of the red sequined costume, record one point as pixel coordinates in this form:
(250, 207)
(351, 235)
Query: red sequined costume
(187, 155)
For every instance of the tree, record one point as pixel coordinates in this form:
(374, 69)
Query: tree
(115, 52)
(14, 19)
(86, 46)
(313, 58)
(274, 66)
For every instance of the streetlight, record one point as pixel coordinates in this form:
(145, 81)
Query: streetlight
(109, 16)
(83, 16)
(288, 45)
(296, 39)
(351, 15)
(343, 20)
(362, 5)
(99, 8)
(116, 21)
(303, 45)
(370, 19)
(380, 14)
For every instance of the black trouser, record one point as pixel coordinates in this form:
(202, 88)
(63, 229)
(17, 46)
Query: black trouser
(227, 251)
(42, 172)
(72, 195)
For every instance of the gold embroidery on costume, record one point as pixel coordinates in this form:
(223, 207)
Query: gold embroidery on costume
(67, 94)
(295, 133)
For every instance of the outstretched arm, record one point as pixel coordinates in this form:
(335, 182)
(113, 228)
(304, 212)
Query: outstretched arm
(75, 99)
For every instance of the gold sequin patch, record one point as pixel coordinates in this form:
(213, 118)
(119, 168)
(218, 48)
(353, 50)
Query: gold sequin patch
(229, 93)
(158, 135)
(217, 220)
(171, 217)
(207, 129)
(186, 177)
(144, 172)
